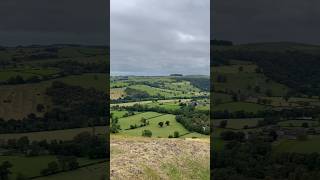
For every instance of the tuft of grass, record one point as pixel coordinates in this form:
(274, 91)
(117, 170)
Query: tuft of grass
(190, 168)
(151, 174)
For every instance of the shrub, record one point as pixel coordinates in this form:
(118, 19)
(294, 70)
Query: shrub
(176, 134)
(146, 133)
(170, 136)
(167, 123)
(160, 124)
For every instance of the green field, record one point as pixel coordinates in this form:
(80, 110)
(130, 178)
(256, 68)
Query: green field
(158, 131)
(135, 119)
(246, 81)
(298, 123)
(220, 98)
(94, 172)
(167, 93)
(240, 106)
(18, 101)
(238, 123)
(31, 166)
(66, 134)
(308, 146)
(118, 114)
(26, 73)
(194, 135)
(150, 102)
(92, 80)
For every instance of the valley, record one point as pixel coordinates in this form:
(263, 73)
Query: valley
(169, 117)
(44, 90)
(261, 102)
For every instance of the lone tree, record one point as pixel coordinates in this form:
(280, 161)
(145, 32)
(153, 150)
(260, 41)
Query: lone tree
(167, 123)
(176, 134)
(160, 124)
(143, 120)
(146, 133)
(115, 127)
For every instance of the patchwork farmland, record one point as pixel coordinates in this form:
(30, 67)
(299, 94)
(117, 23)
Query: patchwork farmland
(44, 90)
(265, 109)
(159, 111)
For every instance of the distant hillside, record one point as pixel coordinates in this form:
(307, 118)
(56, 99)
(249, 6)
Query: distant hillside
(293, 64)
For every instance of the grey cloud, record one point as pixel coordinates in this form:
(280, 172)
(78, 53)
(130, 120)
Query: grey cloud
(49, 21)
(152, 37)
(269, 20)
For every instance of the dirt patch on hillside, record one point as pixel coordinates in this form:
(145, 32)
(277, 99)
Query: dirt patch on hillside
(159, 158)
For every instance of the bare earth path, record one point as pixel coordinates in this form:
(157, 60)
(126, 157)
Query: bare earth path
(159, 158)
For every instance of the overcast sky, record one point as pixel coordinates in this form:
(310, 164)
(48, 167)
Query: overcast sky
(25, 22)
(160, 37)
(267, 20)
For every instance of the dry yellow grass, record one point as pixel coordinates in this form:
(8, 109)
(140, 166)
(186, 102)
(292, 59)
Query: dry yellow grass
(20, 100)
(116, 93)
(159, 158)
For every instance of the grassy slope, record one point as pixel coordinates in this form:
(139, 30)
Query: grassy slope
(94, 172)
(135, 119)
(25, 98)
(158, 131)
(159, 158)
(66, 134)
(238, 106)
(241, 80)
(307, 146)
(239, 123)
(22, 164)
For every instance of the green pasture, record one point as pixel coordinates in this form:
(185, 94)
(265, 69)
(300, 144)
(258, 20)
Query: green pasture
(136, 119)
(118, 114)
(240, 106)
(246, 82)
(66, 134)
(32, 166)
(94, 172)
(307, 146)
(236, 69)
(158, 131)
(221, 97)
(238, 123)
(298, 123)
(90, 80)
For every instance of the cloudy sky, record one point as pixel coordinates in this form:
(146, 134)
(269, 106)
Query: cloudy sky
(53, 21)
(159, 37)
(266, 21)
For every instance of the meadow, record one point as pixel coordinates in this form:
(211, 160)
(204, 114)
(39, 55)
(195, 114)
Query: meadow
(310, 145)
(96, 171)
(21, 164)
(239, 106)
(154, 127)
(65, 134)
